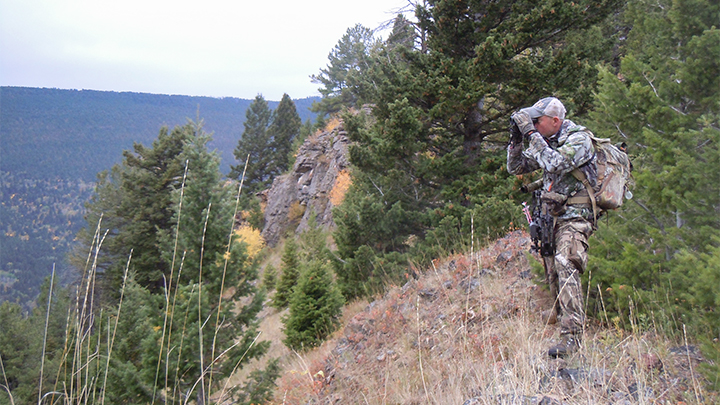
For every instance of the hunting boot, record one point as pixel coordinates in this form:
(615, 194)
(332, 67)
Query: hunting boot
(569, 344)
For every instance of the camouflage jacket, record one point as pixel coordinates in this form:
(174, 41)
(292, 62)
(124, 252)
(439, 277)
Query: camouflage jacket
(558, 156)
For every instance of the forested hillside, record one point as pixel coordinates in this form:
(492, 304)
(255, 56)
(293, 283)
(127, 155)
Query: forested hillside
(54, 143)
(39, 219)
(74, 134)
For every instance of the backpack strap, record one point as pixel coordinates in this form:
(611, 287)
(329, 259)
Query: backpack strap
(583, 199)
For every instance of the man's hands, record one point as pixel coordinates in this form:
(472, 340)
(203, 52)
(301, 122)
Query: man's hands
(523, 122)
(516, 137)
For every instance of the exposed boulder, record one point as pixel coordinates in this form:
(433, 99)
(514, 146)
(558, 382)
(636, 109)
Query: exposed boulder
(316, 184)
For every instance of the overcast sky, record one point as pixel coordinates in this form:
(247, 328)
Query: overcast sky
(217, 48)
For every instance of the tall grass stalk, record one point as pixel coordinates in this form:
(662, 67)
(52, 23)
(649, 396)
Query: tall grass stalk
(176, 387)
(88, 309)
(306, 369)
(690, 364)
(207, 370)
(47, 321)
(96, 358)
(419, 346)
(83, 323)
(222, 393)
(168, 290)
(470, 277)
(201, 325)
(437, 274)
(227, 258)
(63, 357)
(76, 311)
(182, 337)
(59, 394)
(587, 296)
(602, 302)
(6, 385)
(111, 339)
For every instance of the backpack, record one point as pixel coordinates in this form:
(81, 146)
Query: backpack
(613, 175)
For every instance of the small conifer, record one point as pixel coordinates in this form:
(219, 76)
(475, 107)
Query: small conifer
(289, 274)
(315, 308)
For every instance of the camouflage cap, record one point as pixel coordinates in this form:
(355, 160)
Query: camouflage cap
(550, 106)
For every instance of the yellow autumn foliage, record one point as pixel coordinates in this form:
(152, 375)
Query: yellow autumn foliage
(342, 183)
(252, 237)
(332, 123)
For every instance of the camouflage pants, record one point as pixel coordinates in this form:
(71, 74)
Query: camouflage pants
(563, 272)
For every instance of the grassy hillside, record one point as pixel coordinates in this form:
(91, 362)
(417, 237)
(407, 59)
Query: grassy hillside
(468, 331)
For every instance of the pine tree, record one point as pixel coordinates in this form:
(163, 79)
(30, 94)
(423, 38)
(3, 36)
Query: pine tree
(253, 146)
(170, 338)
(284, 129)
(20, 344)
(259, 389)
(132, 369)
(433, 156)
(348, 58)
(202, 226)
(315, 307)
(203, 214)
(663, 102)
(35, 344)
(134, 201)
(403, 34)
(315, 301)
(269, 277)
(290, 272)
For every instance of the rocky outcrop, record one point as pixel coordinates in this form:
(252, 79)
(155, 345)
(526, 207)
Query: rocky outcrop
(316, 184)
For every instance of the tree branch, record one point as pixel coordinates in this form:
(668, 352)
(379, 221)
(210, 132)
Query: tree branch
(657, 221)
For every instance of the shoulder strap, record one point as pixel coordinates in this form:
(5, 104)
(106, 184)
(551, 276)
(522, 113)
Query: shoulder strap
(581, 176)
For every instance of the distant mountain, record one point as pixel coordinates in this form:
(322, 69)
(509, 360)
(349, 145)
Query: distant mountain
(54, 142)
(74, 134)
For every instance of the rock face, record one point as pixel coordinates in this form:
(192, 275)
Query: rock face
(316, 184)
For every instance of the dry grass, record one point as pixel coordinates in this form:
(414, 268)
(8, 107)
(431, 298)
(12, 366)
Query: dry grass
(469, 331)
(270, 330)
(304, 373)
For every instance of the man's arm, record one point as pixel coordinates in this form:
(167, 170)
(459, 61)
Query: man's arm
(575, 152)
(517, 162)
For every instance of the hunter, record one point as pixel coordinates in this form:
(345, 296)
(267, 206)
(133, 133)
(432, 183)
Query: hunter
(558, 146)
